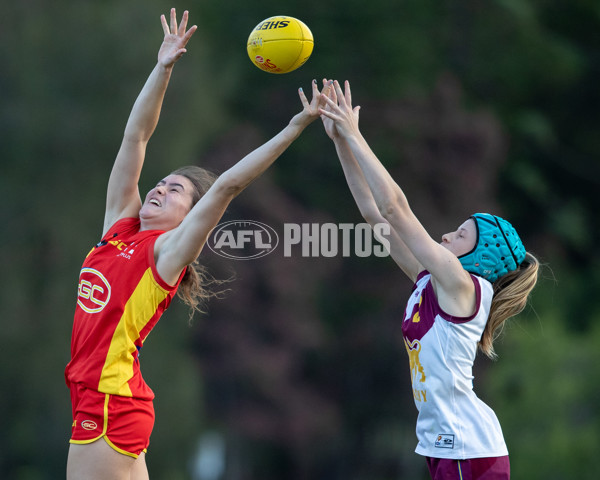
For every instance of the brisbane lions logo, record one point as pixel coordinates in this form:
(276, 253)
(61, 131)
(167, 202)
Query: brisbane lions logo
(416, 369)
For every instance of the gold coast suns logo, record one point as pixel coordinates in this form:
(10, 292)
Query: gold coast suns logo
(89, 425)
(93, 292)
(417, 373)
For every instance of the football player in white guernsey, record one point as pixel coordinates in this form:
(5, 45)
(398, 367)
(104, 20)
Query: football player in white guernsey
(466, 287)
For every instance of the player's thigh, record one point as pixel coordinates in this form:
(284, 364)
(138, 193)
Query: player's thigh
(139, 470)
(98, 461)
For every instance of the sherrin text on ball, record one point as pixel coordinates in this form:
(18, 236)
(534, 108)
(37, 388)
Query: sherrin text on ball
(280, 44)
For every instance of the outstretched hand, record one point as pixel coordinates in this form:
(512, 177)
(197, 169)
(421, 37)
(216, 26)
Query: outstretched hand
(311, 110)
(176, 38)
(328, 123)
(339, 118)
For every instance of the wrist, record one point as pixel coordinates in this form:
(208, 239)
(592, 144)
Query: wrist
(350, 134)
(298, 123)
(294, 130)
(164, 69)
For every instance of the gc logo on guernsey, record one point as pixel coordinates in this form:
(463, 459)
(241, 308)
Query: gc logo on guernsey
(93, 291)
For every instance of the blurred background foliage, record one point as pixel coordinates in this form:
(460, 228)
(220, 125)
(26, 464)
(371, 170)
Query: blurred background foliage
(300, 373)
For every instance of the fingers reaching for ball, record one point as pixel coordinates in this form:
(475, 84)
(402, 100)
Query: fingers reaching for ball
(311, 110)
(339, 110)
(176, 38)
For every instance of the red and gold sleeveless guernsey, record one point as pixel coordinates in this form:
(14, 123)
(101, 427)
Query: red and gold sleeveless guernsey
(120, 299)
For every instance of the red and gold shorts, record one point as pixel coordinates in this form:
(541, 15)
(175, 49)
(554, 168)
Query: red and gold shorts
(125, 423)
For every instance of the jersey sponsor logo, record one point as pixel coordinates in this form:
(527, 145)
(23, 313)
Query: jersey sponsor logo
(126, 250)
(118, 244)
(417, 373)
(89, 424)
(93, 291)
(444, 440)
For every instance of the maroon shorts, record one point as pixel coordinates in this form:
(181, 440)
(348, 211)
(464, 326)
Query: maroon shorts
(125, 423)
(491, 468)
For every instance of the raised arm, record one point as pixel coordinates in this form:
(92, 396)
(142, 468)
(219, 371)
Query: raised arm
(181, 246)
(123, 197)
(451, 280)
(364, 197)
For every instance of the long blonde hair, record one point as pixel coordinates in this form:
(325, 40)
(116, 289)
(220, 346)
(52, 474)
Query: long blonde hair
(194, 288)
(511, 292)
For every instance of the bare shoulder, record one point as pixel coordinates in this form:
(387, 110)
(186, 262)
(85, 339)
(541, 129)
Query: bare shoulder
(459, 299)
(168, 264)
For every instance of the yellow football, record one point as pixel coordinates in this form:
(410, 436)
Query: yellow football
(280, 44)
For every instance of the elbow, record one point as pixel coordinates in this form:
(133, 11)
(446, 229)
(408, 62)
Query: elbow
(228, 185)
(388, 210)
(395, 211)
(372, 216)
(136, 141)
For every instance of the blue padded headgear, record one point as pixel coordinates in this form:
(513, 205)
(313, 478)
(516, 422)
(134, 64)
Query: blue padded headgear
(498, 249)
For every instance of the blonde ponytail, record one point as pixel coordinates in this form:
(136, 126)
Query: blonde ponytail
(511, 292)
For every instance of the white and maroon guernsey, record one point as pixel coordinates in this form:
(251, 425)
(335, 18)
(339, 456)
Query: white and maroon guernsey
(452, 422)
